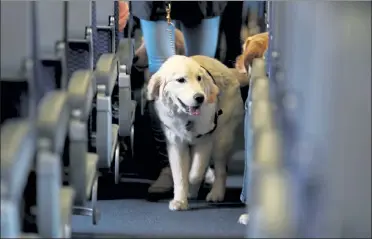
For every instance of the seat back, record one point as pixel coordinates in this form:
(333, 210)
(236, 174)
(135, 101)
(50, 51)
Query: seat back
(80, 48)
(80, 98)
(20, 47)
(105, 27)
(52, 125)
(17, 161)
(325, 125)
(52, 28)
(20, 77)
(14, 98)
(106, 74)
(81, 29)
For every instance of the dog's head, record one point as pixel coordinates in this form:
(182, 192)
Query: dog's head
(254, 47)
(183, 83)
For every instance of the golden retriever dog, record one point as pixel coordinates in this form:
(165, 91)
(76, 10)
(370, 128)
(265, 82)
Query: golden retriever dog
(141, 60)
(253, 47)
(198, 102)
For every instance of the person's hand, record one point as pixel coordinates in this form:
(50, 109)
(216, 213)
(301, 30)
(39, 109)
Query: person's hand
(123, 14)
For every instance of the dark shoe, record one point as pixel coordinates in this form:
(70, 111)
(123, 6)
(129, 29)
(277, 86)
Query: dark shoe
(164, 183)
(162, 188)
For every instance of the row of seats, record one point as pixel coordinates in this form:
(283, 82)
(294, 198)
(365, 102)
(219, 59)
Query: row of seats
(308, 138)
(267, 174)
(71, 57)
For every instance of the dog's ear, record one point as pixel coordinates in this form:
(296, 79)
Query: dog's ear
(246, 43)
(212, 89)
(240, 64)
(242, 61)
(213, 93)
(153, 87)
(255, 47)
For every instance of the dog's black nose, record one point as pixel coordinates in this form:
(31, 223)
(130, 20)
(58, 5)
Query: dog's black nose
(199, 98)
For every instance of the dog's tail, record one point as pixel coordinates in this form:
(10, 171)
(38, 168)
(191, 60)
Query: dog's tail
(243, 78)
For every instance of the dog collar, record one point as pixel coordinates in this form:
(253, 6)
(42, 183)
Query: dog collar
(215, 121)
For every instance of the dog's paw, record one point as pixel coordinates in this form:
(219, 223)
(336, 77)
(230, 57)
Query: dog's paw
(243, 219)
(216, 195)
(176, 205)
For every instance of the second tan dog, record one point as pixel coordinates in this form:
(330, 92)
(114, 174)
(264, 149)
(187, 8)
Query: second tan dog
(253, 47)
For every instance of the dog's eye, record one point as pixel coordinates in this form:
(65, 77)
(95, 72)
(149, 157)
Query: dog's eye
(181, 80)
(199, 78)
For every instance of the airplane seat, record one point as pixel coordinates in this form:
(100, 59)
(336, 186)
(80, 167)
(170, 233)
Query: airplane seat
(54, 201)
(106, 74)
(83, 175)
(18, 150)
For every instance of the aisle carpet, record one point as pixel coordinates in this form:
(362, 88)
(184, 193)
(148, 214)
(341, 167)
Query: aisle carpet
(141, 218)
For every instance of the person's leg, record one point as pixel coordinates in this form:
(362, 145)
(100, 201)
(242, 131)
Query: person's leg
(203, 38)
(253, 17)
(231, 23)
(164, 182)
(159, 40)
(248, 150)
(248, 138)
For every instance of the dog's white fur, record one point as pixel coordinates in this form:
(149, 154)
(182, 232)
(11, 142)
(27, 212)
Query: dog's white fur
(244, 219)
(190, 156)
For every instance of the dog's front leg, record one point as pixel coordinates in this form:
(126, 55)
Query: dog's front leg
(221, 153)
(179, 159)
(201, 155)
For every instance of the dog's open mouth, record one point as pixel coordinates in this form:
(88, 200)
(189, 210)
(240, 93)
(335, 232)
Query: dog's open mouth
(192, 110)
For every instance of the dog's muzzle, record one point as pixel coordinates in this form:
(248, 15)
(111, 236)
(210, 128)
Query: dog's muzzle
(192, 110)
